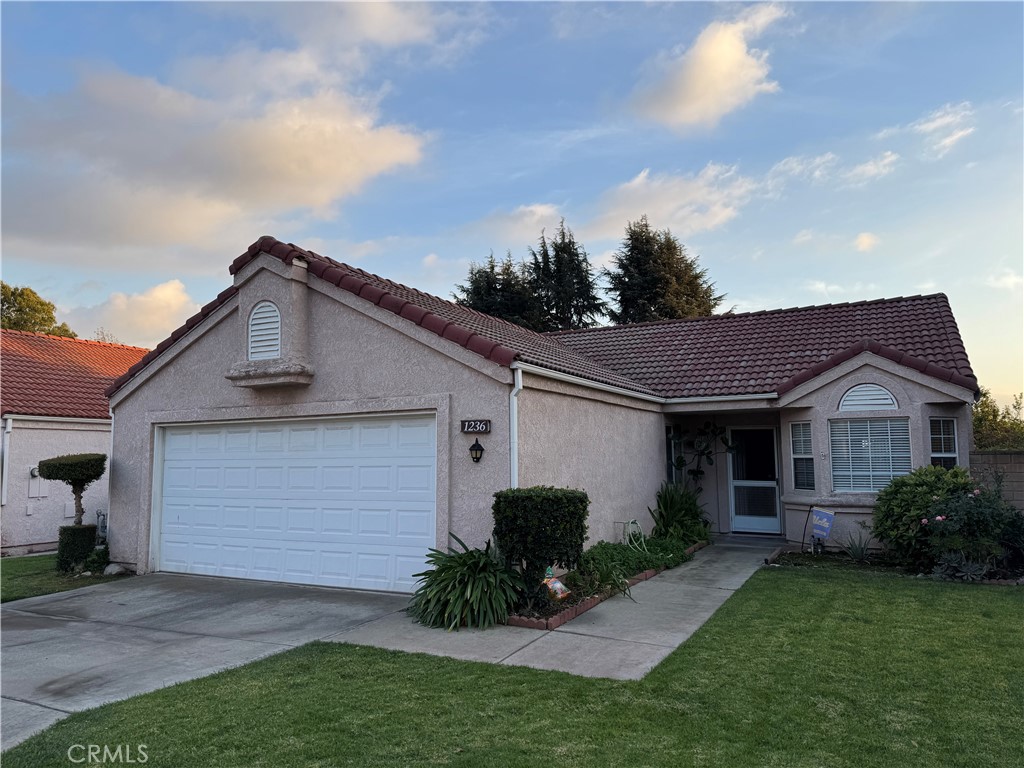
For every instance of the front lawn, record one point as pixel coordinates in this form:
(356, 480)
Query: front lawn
(801, 668)
(33, 575)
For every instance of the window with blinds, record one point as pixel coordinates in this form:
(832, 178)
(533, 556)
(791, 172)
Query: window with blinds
(803, 458)
(868, 397)
(264, 332)
(943, 440)
(868, 453)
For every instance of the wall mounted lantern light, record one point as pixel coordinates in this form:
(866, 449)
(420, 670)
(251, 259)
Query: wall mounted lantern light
(476, 451)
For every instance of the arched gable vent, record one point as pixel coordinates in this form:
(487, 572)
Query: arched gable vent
(868, 397)
(264, 332)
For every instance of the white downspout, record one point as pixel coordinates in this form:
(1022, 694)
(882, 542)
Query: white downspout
(513, 426)
(8, 426)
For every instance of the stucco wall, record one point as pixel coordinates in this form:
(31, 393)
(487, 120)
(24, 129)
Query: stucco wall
(30, 522)
(366, 360)
(715, 482)
(918, 401)
(1007, 467)
(609, 446)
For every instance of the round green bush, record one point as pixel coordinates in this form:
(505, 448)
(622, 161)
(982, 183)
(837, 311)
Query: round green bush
(907, 500)
(79, 470)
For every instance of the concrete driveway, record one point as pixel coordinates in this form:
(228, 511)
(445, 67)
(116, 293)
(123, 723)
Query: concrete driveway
(71, 651)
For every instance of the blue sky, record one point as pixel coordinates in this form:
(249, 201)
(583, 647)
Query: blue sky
(807, 152)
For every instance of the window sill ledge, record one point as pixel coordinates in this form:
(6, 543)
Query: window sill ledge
(259, 374)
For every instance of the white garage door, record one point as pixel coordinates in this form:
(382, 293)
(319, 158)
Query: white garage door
(339, 502)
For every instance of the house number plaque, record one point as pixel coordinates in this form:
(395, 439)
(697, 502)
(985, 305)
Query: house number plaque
(476, 426)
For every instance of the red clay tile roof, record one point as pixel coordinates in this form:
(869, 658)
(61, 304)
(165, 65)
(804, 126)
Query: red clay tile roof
(489, 337)
(54, 376)
(776, 350)
(752, 353)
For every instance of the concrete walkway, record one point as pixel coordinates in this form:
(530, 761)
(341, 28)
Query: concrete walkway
(619, 639)
(72, 651)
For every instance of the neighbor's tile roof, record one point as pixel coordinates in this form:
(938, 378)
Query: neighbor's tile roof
(45, 375)
(735, 354)
(773, 351)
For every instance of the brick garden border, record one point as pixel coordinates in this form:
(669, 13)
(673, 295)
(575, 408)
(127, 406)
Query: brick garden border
(570, 613)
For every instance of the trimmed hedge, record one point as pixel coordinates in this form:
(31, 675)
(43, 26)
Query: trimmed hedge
(540, 526)
(75, 543)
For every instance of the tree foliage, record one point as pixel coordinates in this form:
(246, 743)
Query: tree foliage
(22, 309)
(998, 428)
(560, 275)
(79, 470)
(502, 289)
(554, 290)
(654, 278)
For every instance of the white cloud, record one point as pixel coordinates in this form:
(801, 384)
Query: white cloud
(833, 291)
(717, 75)
(162, 166)
(803, 236)
(1006, 279)
(815, 168)
(141, 319)
(941, 130)
(873, 169)
(517, 228)
(684, 203)
(866, 241)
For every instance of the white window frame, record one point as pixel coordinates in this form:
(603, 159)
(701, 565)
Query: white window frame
(954, 455)
(263, 332)
(798, 454)
(880, 467)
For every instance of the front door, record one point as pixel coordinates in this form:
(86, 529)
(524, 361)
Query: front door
(754, 481)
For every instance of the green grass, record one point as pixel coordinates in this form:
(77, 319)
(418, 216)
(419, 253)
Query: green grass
(22, 577)
(801, 668)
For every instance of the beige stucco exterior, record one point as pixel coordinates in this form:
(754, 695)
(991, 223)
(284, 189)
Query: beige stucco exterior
(365, 360)
(919, 399)
(343, 356)
(34, 508)
(610, 446)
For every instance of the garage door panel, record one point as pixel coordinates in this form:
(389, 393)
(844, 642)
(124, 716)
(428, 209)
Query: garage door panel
(337, 503)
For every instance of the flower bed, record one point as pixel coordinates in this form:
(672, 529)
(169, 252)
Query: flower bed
(573, 607)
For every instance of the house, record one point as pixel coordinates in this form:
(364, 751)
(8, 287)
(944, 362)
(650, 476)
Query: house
(52, 403)
(319, 424)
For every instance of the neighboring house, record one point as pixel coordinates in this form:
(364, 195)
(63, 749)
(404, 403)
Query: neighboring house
(52, 402)
(309, 424)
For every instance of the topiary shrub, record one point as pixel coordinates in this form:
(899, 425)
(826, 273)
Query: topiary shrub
(901, 505)
(471, 588)
(539, 527)
(75, 543)
(77, 470)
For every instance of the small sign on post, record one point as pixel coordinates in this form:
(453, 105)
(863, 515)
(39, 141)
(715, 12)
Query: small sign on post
(821, 522)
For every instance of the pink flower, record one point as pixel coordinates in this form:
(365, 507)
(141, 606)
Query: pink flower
(977, 491)
(939, 518)
(924, 521)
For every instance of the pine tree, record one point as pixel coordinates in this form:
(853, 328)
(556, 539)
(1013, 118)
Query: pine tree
(561, 275)
(653, 278)
(502, 289)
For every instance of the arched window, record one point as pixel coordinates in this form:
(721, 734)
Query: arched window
(868, 397)
(264, 332)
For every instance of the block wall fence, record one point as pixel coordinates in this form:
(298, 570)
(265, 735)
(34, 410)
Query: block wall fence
(1007, 464)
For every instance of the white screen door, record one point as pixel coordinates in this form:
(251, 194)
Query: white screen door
(753, 481)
